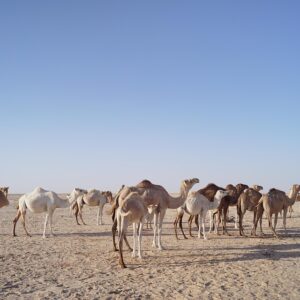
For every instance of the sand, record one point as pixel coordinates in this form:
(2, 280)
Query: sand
(79, 262)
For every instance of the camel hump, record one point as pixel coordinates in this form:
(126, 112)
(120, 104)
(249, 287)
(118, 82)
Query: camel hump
(273, 190)
(145, 184)
(209, 191)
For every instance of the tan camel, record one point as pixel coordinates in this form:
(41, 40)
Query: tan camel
(3, 196)
(155, 195)
(274, 202)
(92, 198)
(293, 196)
(248, 200)
(131, 210)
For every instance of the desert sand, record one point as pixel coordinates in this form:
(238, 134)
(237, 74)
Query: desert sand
(79, 262)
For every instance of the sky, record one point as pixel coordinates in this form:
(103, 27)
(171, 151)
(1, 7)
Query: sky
(96, 94)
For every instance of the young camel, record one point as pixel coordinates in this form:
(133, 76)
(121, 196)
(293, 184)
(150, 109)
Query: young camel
(248, 200)
(92, 198)
(198, 205)
(3, 196)
(132, 210)
(272, 203)
(39, 201)
(155, 195)
(209, 193)
(293, 196)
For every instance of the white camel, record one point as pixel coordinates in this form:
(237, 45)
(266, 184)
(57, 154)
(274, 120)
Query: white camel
(39, 201)
(133, 210)
(92, 198)
(198, 204)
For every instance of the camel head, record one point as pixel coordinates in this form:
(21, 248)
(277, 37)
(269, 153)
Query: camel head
(257, 187)
(241, 187)
(187, 184)
(108, 196)
(4, 190)
(296, 188)
(75, 194)
(220, 194)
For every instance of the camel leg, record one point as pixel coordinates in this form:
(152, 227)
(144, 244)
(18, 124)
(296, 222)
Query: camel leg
(241, 217)
(51, 222)
(199, 217)
(291, 210)
(219, 221)
(175, 227)
(140, 239)
(114, 230)
(197, 222)
(236, 219)
(76, 214)
(275, 221)
(181, 227)
(155, 223)
(134, 229)
(45, 226)
(127, 243)
(190, 221)
(161, 218)
(225, 210)
(121, 260)
(203, 215)
(80, 215)
(100, 214)
(270, 223)
(284, 219)
(210, 220)
(23, 214)
(15, 222)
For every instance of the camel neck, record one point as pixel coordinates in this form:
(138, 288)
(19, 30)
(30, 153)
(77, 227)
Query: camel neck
(175, 202)
(293, 193)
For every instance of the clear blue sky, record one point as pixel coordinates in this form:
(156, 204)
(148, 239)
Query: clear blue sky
(100, 93)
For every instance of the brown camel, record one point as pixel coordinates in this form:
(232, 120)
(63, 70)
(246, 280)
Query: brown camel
(248, 200)
(274, 202)
(155, 195)
(230, 200)
(3, 196)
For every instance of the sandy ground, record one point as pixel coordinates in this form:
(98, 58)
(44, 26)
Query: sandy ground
(79, 262)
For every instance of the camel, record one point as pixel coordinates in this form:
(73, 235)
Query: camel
(3, 196)
(39, 201)
(248, 200)
(230, 200)
(198, 205)
(208, 192)
(155, 195)
(132, 210)
(293, 194)
(92, 198)
(274, 202)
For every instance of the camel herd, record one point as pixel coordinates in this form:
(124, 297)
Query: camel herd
(146, 201)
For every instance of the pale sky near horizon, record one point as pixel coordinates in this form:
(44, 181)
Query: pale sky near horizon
(96, 94)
